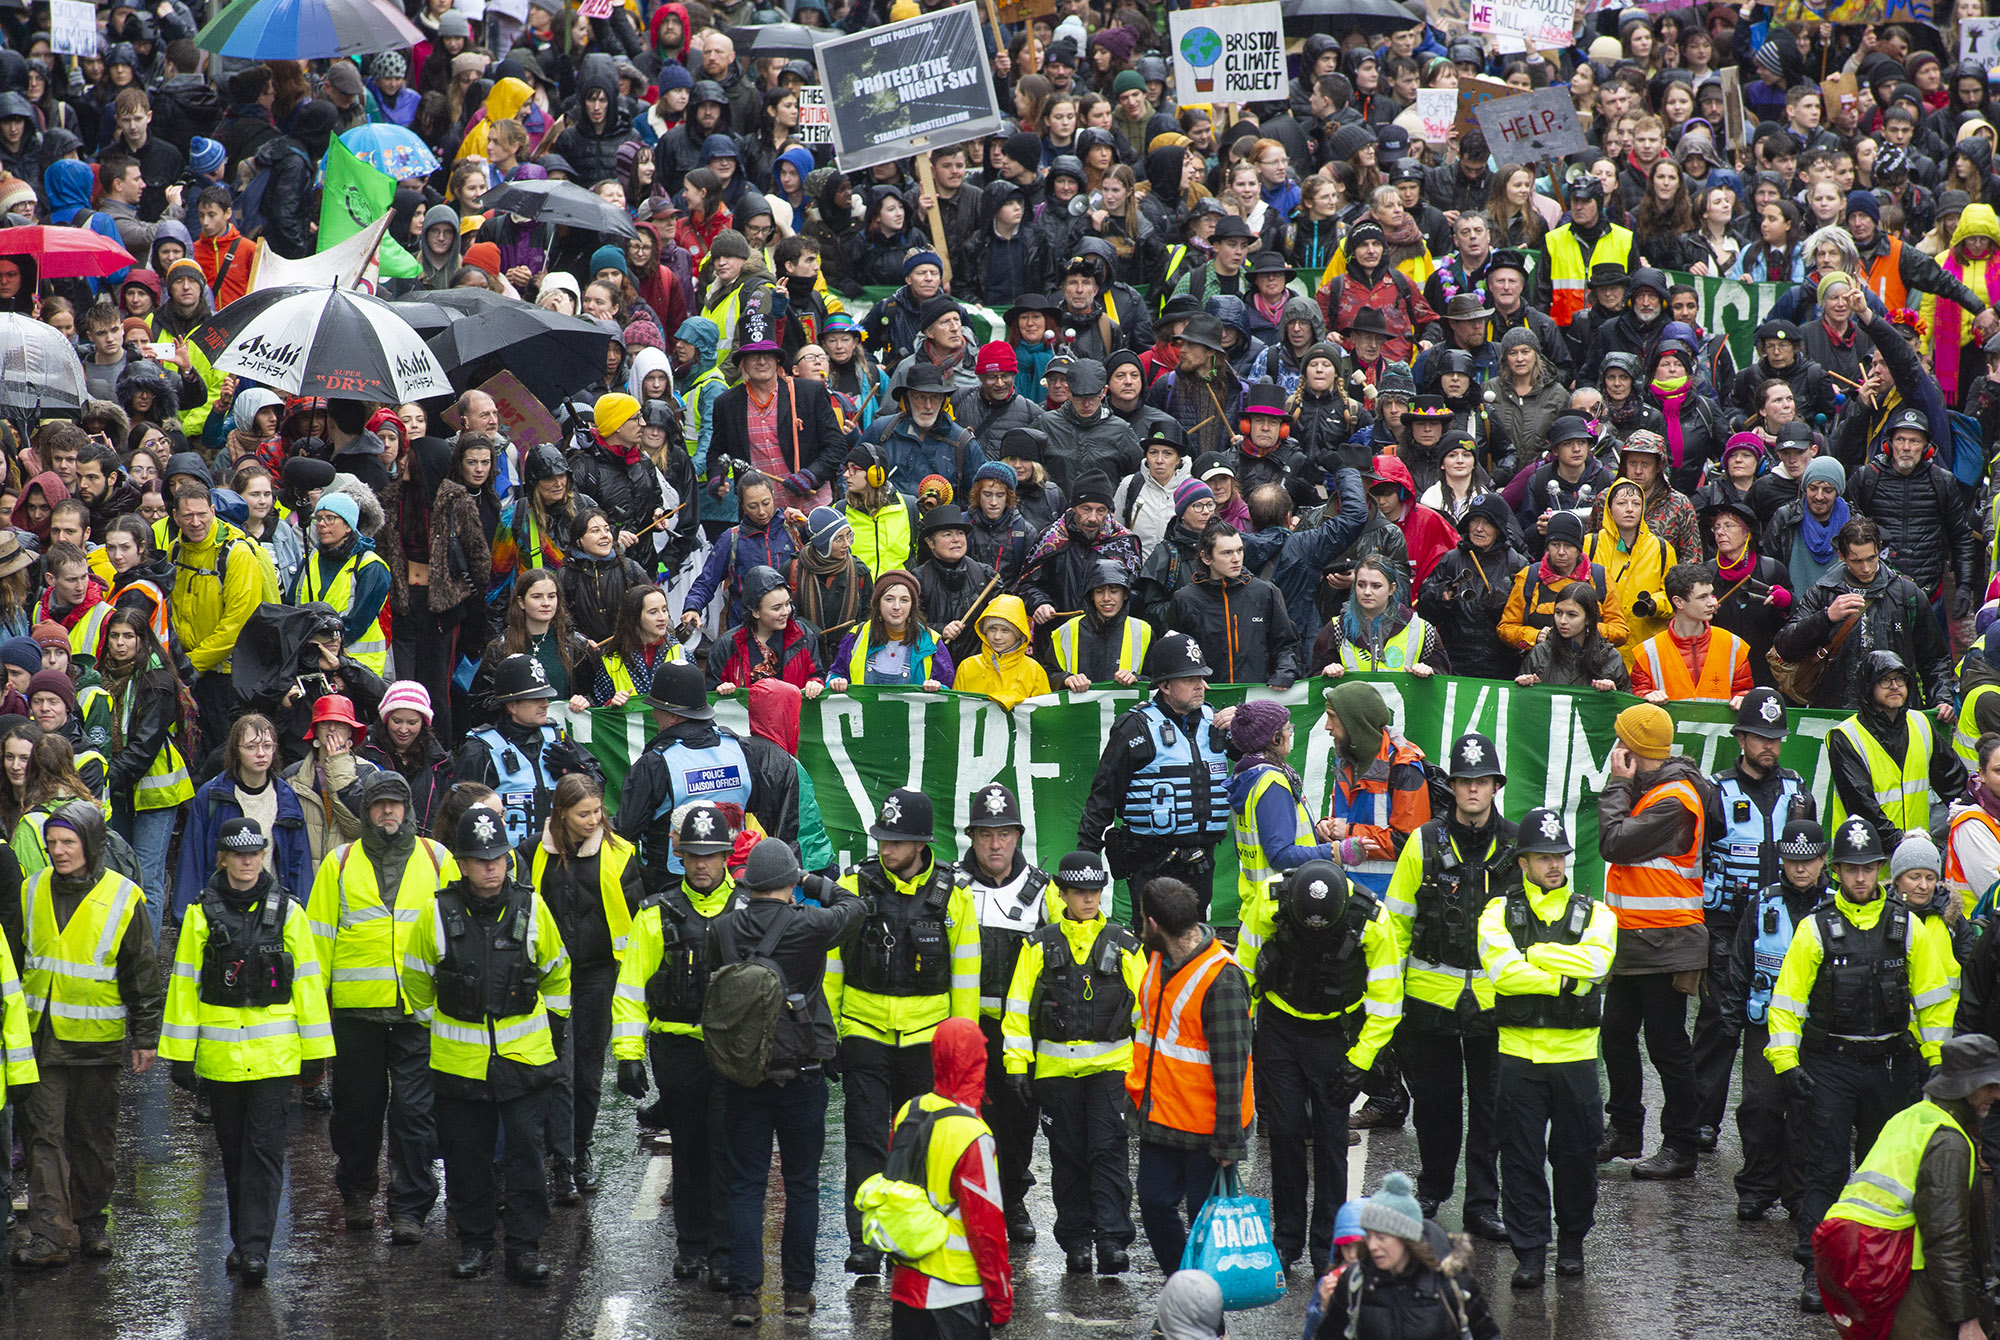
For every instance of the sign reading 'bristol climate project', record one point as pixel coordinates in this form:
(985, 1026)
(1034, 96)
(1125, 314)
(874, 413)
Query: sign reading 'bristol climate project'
(1229, 53)
(908, 87)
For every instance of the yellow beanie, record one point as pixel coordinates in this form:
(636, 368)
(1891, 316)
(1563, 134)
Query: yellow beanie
(1645, 729)
(612, 411)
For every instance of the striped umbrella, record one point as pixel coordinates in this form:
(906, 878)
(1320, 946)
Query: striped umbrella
(306, 29)
(308, 340)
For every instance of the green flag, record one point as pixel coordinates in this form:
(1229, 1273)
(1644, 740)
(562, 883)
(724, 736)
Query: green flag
(355, 196)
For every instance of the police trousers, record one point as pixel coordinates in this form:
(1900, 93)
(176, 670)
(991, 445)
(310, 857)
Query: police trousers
(1771, 1131)
(384, 1070)
(1851, 1100)
(1300, 1095)
(249, 1120)
(471, 1131)
(1140, 860)
(1089, 1158)
(1650, 1000)
(1550, 1126)
(1012, 1122)
(878, 1080)
(690, 1099)
(1714, 1045)
(1452, 1099)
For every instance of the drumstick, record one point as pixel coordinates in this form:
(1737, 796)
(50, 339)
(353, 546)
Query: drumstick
(661, 519)
(983, 593)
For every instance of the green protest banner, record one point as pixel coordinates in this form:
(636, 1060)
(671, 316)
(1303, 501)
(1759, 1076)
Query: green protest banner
(1734, 308)
(860, 745)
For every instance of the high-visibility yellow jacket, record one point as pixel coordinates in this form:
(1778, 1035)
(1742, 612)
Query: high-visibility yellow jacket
(464, 1046)
(234, 1043)
(1540, 970)
(1882, 1191)
(1382, 1000)
(646, 949)
(908, 1021)
(1439, 984)
(72, 973)
(359, 939)
(1930, 994)
(17, 1047)
(1023, 1026)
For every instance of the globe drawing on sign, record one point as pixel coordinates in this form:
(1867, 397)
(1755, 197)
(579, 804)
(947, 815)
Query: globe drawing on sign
(1202, 48)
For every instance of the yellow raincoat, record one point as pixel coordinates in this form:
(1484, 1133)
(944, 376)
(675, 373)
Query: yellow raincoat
(1005, 679)
(506, 100)
(1628, 571)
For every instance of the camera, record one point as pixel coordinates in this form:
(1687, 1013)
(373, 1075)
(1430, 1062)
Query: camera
(316, 686)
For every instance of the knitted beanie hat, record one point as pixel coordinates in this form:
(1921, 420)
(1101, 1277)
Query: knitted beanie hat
(1915, 852)
(1392, 1210)
(1258, 724)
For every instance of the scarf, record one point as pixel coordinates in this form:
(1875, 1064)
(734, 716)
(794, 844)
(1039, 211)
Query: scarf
(1948, 328)
(1672, 393)
(631, 455)
(1550, 578)
(1272, 311)
(825, 571)
(1817, 534)
(1409, 235)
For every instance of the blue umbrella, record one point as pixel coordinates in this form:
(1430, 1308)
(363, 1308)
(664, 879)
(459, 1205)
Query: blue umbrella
(396, 150)
(306, 29)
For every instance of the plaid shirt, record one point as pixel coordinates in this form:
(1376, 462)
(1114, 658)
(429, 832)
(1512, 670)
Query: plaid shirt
(1225, 1021)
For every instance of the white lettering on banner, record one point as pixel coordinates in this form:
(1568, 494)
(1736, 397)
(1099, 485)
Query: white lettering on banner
(984, 744)
(842, 721)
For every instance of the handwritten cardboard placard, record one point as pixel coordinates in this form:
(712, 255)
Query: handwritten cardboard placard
(1476, 91)
(815, 117)
(1979, 39)
(1531, 127)
(73, 27)
(1437, 108)
(527, 420)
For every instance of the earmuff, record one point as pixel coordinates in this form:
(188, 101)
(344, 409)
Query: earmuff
(1284, 427)
(877, 474)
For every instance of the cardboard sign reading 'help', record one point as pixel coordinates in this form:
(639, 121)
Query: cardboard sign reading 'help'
(1537, 125)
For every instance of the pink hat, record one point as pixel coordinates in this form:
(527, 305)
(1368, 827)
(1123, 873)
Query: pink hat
(408, 693)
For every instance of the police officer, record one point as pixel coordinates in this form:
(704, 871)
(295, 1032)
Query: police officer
(656, 1016)
(1071, 1012)
(522, 755)
(1447, 1043)
(1770, 1124)
(912, 963)
(1840, 1017)
(487, 964)
(1014, 900)
(247, 1013)
(691, 758)
(1748, 805)
(366, 899)
(1547, 949)
(1165, 775)
(1326, 968)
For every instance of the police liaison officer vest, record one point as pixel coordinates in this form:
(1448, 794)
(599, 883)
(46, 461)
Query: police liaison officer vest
(1160, 798)
(522, 784)
(1568, 1010)
(1860, 1002)
(1733, 870)
(904, 945)
(719, 772)
(1767, 957)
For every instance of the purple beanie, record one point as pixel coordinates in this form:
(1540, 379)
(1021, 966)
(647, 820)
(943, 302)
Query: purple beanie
(1258, 724)
(1188, 493)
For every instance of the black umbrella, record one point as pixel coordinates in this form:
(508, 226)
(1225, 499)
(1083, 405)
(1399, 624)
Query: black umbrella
(267, 653)
(794, 41)
(1337, 18)
(551, 353)
(560, 202)
(431, 312)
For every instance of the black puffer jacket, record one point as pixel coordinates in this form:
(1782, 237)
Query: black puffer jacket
(1464, 598)
(592, 588)
(1104, 445)
(1812, 390)
(1897, 618)
(429, 777)
(630, 493)
(948, 593)
(594, 152)
(1417, 1304)
(1925, 531)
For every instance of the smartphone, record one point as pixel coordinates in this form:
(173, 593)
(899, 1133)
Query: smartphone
(159, 351)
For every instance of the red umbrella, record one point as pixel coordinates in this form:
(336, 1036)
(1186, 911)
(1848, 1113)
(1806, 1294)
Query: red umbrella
(66, 253)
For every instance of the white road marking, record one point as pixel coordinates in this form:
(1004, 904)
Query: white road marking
(611, 1318)
(1357, 1168)
(1071, 1319)
(646, 1205)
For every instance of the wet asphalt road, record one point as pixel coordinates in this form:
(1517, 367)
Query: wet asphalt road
(1666, 1260)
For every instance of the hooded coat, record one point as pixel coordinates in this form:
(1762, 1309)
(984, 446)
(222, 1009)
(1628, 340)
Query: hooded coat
(1429, 536)
(1007, 678)
(1467, 593)
(1640, 570)
(593, 150)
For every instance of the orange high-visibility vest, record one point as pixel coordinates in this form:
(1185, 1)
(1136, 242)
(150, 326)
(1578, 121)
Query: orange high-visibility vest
(1665, 891)
(1668, 667)
(1884, 275)
(1954, 869)
(1170, 1081)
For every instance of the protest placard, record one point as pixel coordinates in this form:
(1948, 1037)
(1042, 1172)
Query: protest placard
(595, 9)
(1437, 108)
(815, 118)
(1229, 53)
(904, 87)
(1541, 23)
(1732, 106)
(1979, 39)
(1475, 91)
(73, 27)
(1537, 125)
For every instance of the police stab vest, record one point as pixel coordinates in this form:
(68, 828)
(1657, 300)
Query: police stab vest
(245, 964)
(522, 784)
(1733, 866)
(1087, 1001)
(1318, 969)
(904, 945)
(675, 991)
(1162, 798)
(1568, 1010)
(1862, 992)
(1453, 894)
(486, 970)
(1767, 954)
(1008, 914)
(719, 772)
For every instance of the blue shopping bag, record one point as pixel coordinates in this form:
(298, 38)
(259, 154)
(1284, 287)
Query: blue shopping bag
(1231, 1240)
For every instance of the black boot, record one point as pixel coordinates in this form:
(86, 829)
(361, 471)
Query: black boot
(562, 1190)
(1620, 1144)
(253, 1272)
(864, 1260)
(1079, 1261)
(528, 1268)
(1752, 1208)
(1112, 1259)
(1667, 1165)
(1531, 1263)
(1484, 1223)
(1385, 1113)
(1020, 1224)
(587, 1180)
(1809, 1299)
(472, 1262)
(1569, 1254)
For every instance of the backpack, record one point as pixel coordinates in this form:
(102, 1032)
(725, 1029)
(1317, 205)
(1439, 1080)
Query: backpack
(250, 220)
(741, 1010)
(1437, 782)
(898, 1215)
